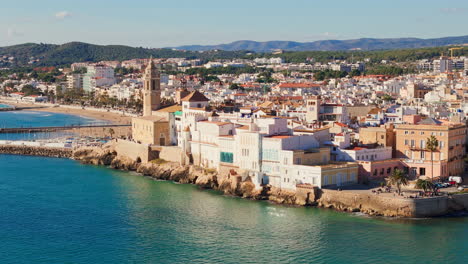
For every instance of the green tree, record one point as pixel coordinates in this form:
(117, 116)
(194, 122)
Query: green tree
(354, 72)
(398, 178)
(424, 184)
(431, 145)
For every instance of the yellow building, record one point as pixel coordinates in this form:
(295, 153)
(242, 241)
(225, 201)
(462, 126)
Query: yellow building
(151, 130)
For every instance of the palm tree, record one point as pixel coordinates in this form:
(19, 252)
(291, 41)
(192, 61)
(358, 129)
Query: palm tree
(424, 184)
(111, 132)
(398, 178)
(431, 146)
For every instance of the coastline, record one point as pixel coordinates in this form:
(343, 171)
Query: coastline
(345, 201)
(112, 117)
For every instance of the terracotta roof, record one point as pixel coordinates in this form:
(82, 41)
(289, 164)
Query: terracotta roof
(280, 137)
(195, 96)
(298, 85)
(374, 111)
(340, 124)
(429, 121)
(171, 109)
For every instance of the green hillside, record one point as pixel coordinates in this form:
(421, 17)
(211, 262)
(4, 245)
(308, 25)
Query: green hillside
(57, 55)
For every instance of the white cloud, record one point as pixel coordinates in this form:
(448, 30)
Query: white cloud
(62, 15)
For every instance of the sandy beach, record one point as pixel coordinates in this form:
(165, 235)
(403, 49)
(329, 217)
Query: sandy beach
(108, 116)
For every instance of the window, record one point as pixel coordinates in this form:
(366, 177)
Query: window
(406, 142)
(412, 142)
(406, 132)
(422, 171)
(375, 172)
(227, 157)
(389, 170)
(423, 143)
(423, 154)
(382, 171)
(298, 161)
(441, 144)
(421, 133)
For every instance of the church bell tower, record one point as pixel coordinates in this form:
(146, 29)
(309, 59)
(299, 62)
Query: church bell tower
(151, 89)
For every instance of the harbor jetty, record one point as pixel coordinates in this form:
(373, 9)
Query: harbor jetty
(44, 151)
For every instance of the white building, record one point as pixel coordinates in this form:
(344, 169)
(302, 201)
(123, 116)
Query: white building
(98, 76)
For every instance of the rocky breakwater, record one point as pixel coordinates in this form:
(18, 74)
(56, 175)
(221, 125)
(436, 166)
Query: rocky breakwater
(36, 151)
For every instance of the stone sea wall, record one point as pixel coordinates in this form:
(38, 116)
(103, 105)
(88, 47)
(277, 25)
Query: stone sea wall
(306, 196)
(350, 201)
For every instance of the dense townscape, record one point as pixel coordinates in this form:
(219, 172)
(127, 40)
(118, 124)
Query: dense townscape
(288, 125)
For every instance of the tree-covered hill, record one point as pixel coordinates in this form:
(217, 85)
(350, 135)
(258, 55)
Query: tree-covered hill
(55, 55)
(61, 55)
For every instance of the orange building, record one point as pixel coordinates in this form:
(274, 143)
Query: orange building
(448, 160)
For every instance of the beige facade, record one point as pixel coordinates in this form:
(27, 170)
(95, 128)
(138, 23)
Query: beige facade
(151, 130)
(311, 157)
(383, 135)
(151, 90)
(447, 160)
(339, 174)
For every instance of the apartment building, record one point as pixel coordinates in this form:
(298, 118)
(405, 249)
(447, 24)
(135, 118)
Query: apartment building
(75, 81)
(98, 76)
(411, 142)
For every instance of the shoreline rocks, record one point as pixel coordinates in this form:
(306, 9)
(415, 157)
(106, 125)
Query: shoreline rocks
(346, 201)
(36, 151)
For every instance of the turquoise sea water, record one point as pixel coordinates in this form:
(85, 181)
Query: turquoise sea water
(4, 106)
(59, 211)
(40, 119)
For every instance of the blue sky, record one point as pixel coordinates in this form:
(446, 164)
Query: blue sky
(156, 23)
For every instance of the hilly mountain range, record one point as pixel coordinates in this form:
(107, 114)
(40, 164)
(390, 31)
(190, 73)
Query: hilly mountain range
(54, 55)
(332, 45)
(408, 49)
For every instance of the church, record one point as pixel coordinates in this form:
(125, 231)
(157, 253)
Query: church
(151, 129)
